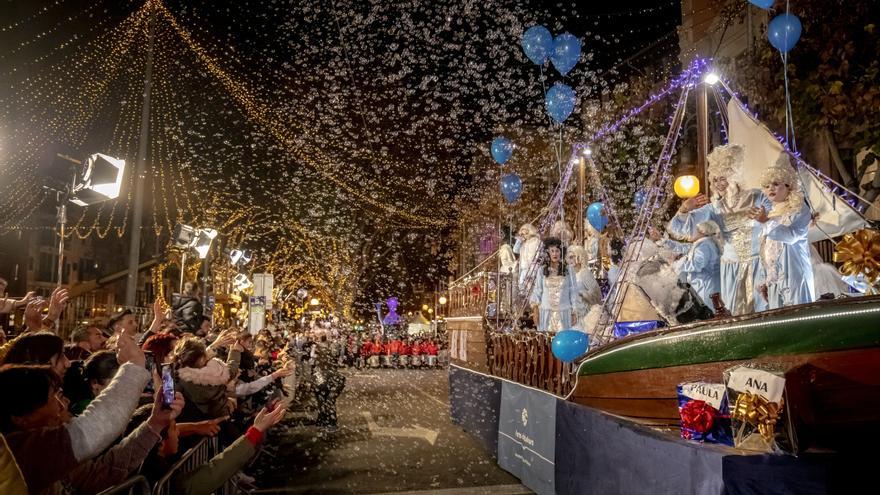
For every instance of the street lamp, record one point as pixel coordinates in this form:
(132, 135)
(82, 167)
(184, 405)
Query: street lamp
(314, 301)
(442, 300)
(424, 307)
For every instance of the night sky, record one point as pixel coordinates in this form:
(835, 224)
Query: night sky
(326, 126)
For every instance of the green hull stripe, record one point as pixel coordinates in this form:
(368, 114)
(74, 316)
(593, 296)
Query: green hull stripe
(811, 329)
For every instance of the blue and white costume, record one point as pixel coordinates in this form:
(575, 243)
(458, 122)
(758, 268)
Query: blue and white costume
(701, 268)
(786, 268)
(742, 235)
(557, 298)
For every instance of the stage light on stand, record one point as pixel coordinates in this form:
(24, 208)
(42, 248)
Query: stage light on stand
(237, 256)
(203, 242)
(100, 180)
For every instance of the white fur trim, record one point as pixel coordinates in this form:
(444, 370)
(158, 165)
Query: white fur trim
(214, 373)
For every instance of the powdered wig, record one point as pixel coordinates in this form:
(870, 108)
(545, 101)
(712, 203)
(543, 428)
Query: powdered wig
(528, 231)
(711, 230)
(578, 254)
(727, 161)
(560, 229)
(784, 173)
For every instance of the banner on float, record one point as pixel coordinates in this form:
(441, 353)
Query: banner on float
(527, 436)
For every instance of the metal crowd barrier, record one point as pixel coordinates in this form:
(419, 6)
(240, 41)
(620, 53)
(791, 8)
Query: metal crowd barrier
(191, 459)
(136, 485)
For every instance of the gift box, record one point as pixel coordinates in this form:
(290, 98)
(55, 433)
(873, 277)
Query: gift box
(624, 328)
(756, 395)
(704, 412)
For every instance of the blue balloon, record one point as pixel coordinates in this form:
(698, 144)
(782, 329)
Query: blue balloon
(566, 52)
(569, 345)
(784, 31)
(764, 4)
(596, 217)
(639, 198)
(560, 102)
(537, 42)
(511, 187)
(502, 148)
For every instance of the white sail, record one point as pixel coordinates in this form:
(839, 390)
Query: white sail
(836, 217)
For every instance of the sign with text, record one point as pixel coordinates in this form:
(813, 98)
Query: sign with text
(527, 436)
(263, 286)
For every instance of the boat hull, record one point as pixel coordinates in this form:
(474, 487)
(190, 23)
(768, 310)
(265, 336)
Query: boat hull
(830, 353)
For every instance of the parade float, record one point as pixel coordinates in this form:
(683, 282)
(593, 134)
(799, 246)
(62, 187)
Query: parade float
(793, 381)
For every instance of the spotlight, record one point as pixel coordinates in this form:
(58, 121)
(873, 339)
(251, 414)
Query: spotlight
(711, 79)
(237, 256)
(183, 236)
(241, 282)
(203, 242)
(588, 152)
(101, 180)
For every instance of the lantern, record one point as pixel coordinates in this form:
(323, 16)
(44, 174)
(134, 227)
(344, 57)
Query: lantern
(687, 186)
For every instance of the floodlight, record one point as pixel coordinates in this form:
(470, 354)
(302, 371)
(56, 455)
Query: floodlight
(101, 180)
(203, 240)
(237, 256)
(183, 236)
(711, 79)
(241, 281)
(588, 152)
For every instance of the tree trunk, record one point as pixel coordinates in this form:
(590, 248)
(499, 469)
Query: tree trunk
(845, 176)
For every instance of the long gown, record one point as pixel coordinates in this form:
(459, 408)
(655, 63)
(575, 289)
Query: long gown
(556, 297)
(588, 293)
(742, 236)
(785, 259)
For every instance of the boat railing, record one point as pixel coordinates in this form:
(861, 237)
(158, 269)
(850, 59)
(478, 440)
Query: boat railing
(526, 358)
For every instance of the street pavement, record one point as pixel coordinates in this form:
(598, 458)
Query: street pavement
(394, 436)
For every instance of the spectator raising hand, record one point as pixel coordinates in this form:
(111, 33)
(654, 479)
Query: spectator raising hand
(57, 303)
(127, 351)
(269, 416)
(33, 314)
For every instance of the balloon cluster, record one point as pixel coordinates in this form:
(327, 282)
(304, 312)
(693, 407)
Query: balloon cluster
(511, 184)
(563, 52)
(784, 30)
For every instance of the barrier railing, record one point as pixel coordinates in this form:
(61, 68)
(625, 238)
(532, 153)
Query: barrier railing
(201, 453)
(526, 357)
(136, 485)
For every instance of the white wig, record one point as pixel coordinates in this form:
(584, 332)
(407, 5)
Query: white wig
(727, 161)
(784, 173)
(528, 231)
(711, 230)
(579, 254)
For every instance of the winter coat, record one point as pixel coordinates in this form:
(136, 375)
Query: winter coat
(187, 310)
(204, 389)
(11, 479)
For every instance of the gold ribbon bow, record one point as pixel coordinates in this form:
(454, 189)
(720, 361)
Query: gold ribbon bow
(758, 411)
(860, 254)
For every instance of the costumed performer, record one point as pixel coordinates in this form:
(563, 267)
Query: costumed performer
(730, 208)
(700, 267)
(554, 298)
(527, 246)
(786, 273)
(586, 287)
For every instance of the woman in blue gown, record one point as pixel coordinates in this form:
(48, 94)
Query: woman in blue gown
(785, 276)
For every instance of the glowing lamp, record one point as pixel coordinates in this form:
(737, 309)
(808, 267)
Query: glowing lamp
(711, 79)
(687, 186)
(314, 301)
(424, 307)
(101, 180)
(442, 300)
(203, 241)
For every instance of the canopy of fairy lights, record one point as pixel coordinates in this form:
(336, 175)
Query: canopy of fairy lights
(335, 139)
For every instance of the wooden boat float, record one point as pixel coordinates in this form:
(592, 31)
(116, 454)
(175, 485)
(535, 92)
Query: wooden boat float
(829, 350)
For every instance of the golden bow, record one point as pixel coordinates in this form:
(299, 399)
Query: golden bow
(758, 411)
(860, 254)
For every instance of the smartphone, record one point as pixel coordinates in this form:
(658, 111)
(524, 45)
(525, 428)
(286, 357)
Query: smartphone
(167, 386)
(150, 361)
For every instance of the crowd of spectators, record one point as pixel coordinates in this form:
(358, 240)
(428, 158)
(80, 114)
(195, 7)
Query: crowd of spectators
(85, 415)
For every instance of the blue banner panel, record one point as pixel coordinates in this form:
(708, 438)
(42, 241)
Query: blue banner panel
(474, 400)
(598, 453)
(527, 436)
